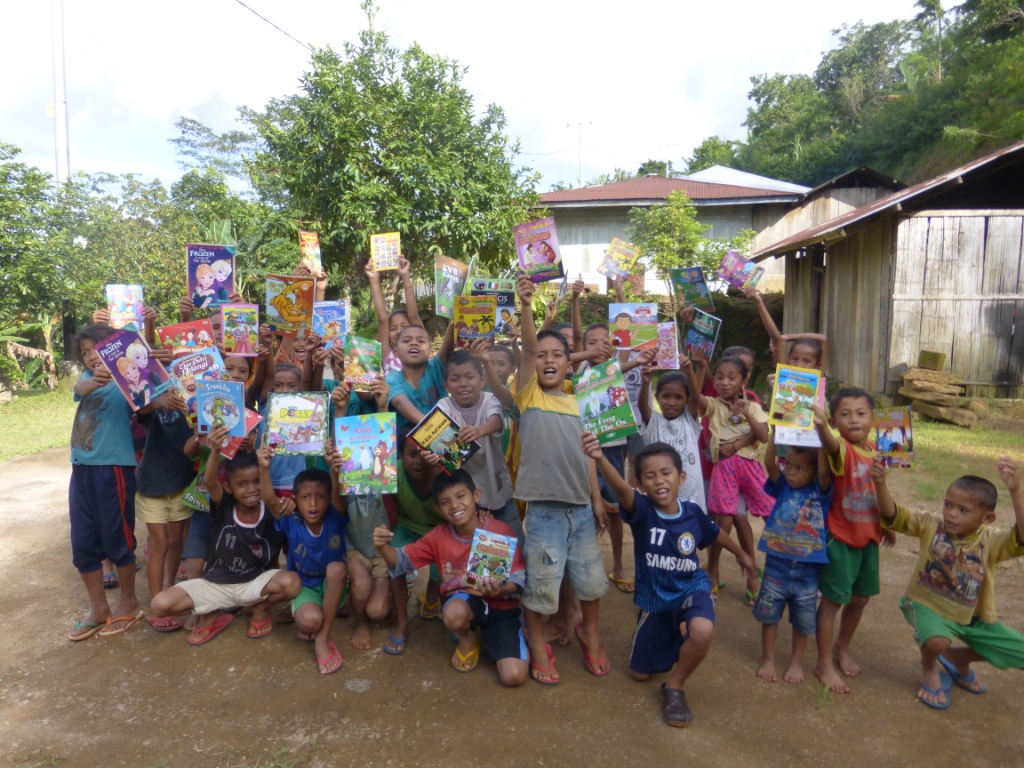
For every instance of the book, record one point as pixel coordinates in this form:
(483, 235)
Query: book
(604, 403)
(537, 250)
(186, 338)
(289, 304)
(367, 444)
(230, 448)
(205, 364)
(330, 322)
(437, 433)
(309, 247)
(618, 259)
(362, 362)
(475, 318)
(210, 274)
(804, 438)
(466, 290)
(702, 334)
(667, 356)
(490, 558)
(449, 282)
(691, 288)
(297, 422)
(385, 249)
(504, 290)
(633, 326)
(563, 288)
(894, 437)
(739, 272)
(125, 304)
(196, 495)
(220, 403)
(240, 329)
(795, 392)
(140, 377)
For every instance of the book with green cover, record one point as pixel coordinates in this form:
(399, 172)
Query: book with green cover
(604, 403)
(362, 362)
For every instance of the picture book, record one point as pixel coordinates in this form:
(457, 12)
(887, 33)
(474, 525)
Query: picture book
(804, 438)
(667, 356)
(368, 453)
(220, 403)
(125, 304)
(795, 392)
(504, 290)
(203, 365)
(240, 329)
(894, 437)
(362, 362)
(384, 250)
(196, 496)
(739, 272)
(702, 334)
(297, 422)
(633, 326)
(604, 403)
(618, 259)
(437, 433)
(309, 247)
(469, 276)
(475, 318)
(330, 322)
(289, 304)
(449, 282)
(563, 288)
(490, 558)
(230, 447)
(186, 338)
(140, 377)
(210, 272)
(537, 250)
(691, 289)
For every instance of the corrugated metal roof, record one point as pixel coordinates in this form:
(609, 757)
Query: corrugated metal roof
(853, 177)
(723, 174)
(656, 188)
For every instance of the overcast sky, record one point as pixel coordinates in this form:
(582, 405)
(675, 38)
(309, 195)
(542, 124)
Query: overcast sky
(603, 84)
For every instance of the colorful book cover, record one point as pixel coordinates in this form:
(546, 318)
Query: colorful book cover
(702, 334)
(362, 362)
(894, 437)
(368, 453)
(795, 393)
(330, 322)
(618, 259)
(490, 558)
(289, 304)
(384, 250)
(537, 250)
(210, 272)
(220, 403)
(804, 438)
(633, 326)
(739, 272)
(140, 378)
(449, 282)
(196, 496)
(504, 290)
(466, 287)
(309, 247)
(667, 356)
(186, 338)
(125, 304)
(297, 422)
(604, 403)
(204, 365)
(691, 288)
(230, 448)
(240, 329)
(437, 433)
(475, 318)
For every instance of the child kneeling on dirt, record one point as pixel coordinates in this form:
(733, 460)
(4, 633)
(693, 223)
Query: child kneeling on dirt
(952, 595)
(486, 614)
(245, 544)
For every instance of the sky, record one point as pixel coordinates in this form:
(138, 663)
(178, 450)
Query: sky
(586, 87)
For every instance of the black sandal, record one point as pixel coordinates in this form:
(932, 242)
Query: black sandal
(674, 708)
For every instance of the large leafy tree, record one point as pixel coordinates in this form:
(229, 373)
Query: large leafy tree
(669, 235)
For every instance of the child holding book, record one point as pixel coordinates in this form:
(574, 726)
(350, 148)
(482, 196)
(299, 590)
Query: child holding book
(390, 325)
(808, 350)
(419, 385)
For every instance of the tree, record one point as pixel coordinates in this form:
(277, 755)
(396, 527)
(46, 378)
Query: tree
(714, 150)
(199, 147)
(657, 167)
(608, 178)
(669, 235)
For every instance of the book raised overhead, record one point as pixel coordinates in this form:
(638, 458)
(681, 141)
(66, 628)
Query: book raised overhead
(240, 329)
(537, 250)
(738, 271)
(385, 250)
(633, 326)
(702, 334)
(795, 393)
(210, 272)
(449, 281)
(475, 318)
(604, 402)
(126, 306)
(297, 422)
(289, 304)
(618, 259)
(691, 289)
(330, 322)
(220, 403)
(186, 338)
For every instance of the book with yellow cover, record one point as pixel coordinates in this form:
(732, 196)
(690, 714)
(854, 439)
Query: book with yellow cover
(384, 250)
(437, 433)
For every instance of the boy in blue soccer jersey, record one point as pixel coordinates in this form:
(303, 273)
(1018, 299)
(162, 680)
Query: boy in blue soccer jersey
(677, 616)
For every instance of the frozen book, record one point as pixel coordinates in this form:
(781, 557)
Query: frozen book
(125, 304)
(702, 334)
(230, 448)
(362, 362)
(289, 304)
(140, 378)
(667, 356)
(739, 272)
(220, 404)
(795, 393)
(604, 403)
(210, 272)
(490, 558)
(618, 259)
(475, 318)
(186, 338)
(297, 423)
(367, 447)
(449, 281)
(330, 322)
(240, 328)
(502, 289)
(204, 365)
(691, 289)
(309, 247)
(537, 250)
(437, 434)
(633, 326)
(894, 437)
(384, 250)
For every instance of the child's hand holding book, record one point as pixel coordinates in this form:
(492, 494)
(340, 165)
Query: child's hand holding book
(382, 536)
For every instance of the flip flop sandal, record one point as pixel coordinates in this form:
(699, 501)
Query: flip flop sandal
(429, 611)
(323, 665)
(396, 641)
(962, 681)
(942, 690)
(549, 669)
(93, 626)
(624, 585)
(472, 658)
(259, 629)
(201, 636)
(132, 621)
(110, 580)
(593, 664)
(166, 624)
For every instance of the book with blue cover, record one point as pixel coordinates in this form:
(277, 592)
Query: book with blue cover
(220, 403)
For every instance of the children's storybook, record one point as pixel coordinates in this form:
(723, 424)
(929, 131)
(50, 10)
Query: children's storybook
(297, 422)
(125, 304)
(240, 329)
(449, 281)
(140, 378)
(466, 286)
(475, 318)
(618, 259)
(367, 447)
(330, 322)
(667, 356)
(490, 558)
(437, 433)
(633, 326)
(537, 249)
(220, 403)
(289, 304)
(894, 437)
(210, 271)
(691, 289)
(362, 362)
(502, 289)
(739, 272)
(384, 250)
(702, 334)
(805, 438)
(309, 247)
(230, 447)
(186, 338)
(794, 394)
(205, 364)
(604, 403)
(196, 495)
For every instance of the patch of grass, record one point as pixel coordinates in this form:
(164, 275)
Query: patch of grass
(825, 701)
(34, 422)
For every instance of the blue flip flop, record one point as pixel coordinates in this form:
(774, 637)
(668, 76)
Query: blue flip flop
(396, 641)
(945, 685)
(961, 680)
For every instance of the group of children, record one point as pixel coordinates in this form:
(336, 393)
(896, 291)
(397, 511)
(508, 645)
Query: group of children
(693, 473)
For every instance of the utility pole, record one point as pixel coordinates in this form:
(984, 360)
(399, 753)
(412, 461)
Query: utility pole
(60, 94)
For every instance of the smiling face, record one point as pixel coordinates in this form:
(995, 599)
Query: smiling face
(131, 373)
(412, 459)
(853, 418)
(660, 481)
(728, 380)
(413, 347)
(204, 278)
(312, 500)
(552, 363)
(464, 383)
(457, 504)
(672, 399)
(395, 325)
(244, 485)
(963, 513)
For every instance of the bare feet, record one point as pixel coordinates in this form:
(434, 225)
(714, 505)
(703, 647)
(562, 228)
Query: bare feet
(556, 630)
(794, 672)
(362, 638)
(830, 678)
(845, 662)
(767, 671)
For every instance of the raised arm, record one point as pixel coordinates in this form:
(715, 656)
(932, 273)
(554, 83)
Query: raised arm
(265, 455)
(447, 343)
(693, 384)
(149, 316)
(771, 466)
(215, 439)
(381, 309)
(478, 349)
(778, 343)
(577, 317)
(622, 489)
(828, 441)
(409, 290)
(619, 284)
(645, 394)
(527, 332)
(1010, 473)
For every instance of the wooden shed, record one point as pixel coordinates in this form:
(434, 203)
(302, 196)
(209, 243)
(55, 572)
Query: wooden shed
(936, 266)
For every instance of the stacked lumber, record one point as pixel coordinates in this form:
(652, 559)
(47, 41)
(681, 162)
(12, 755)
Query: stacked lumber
(938, 395)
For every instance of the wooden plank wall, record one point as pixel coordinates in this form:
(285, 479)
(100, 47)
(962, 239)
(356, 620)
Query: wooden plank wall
(801, 313)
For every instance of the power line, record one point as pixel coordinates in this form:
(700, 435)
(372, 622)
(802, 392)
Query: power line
(264, 18)
(542, 154)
